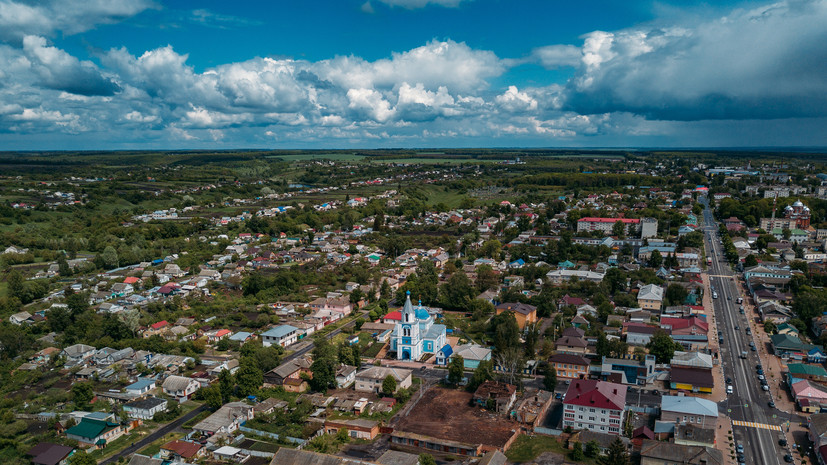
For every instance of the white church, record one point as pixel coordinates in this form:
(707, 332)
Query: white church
(416, 334)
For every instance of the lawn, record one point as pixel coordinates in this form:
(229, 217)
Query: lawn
(373, 350)
(527, 448)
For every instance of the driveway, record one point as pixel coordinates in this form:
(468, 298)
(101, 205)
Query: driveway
(155, 435)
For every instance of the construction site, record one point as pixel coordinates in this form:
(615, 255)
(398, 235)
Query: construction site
(444, 420)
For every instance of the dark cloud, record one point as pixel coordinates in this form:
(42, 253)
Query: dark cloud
(765, 63)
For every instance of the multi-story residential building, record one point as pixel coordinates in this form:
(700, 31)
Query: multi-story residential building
(282, 335)
(594, 405)
(650, 297)
(570, 366)
(645, 227)
(524, 313)
(688, 409)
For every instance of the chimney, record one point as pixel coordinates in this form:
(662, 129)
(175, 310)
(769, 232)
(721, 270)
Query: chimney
(614, 391)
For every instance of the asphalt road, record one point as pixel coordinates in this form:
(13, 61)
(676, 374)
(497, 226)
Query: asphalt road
(748, 402)
(160, 432)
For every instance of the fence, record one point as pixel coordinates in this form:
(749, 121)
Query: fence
(548, 431)
(268, 434)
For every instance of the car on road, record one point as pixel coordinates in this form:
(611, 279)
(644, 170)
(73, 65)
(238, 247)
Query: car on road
(558, 395)
(765, 387)
(737, 327)
(729, 297)
(729, 389)
(759, 367)
(739, 448)
(788, 458)
(749, 332)
(753, 348)
(771, 404)
(782, 442)
(761, 377)
(759, 371)
(751, 344)
(741, 311)
(729, 380)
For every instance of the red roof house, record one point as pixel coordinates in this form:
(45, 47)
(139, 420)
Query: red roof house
(392, 317)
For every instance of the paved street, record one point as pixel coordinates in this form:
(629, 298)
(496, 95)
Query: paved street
(158, 433)
(748, 402)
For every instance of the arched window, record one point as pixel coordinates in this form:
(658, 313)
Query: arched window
(406, 331)
(407, 318)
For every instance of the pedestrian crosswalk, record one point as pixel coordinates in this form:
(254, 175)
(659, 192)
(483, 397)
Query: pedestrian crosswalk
(752, 424)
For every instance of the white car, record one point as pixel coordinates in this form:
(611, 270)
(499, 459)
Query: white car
(729, 389)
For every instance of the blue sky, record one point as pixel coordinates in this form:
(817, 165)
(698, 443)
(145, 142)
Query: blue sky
(112, 74)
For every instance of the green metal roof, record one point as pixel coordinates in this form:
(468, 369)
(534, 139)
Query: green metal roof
(91, 428)
(803, 368)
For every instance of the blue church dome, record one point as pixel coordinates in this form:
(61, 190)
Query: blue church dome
(422, 314)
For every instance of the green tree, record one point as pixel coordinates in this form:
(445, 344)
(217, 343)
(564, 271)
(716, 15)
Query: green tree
(325, 358)
(656, 259)
(211, 396)
(617, 454)
(615, 280)
(356, 296)
(226, 385)
(550, 377)
(16, 285)
(385, 291)
(491, 249)
(602, 348)
(576, 453)
(505, 331)
(592, 449)
(110, 257)
(480, 309)
(487, 278)
(484, 372)
(619, 229)
(769, 327)
(676, 294)
(426, 459)
(249, 377)
(82, 393)
(80, 457)
(63, 266)
(750, 260)
(662, 346)
(389, 385)
(457, 293)
(532, 337)
(456, 369)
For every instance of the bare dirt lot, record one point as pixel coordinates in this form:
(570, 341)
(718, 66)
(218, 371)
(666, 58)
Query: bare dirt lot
(447, 414)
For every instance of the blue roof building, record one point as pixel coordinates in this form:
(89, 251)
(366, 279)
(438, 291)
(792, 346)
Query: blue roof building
(416, 334)
(142, 386)
(443, 355)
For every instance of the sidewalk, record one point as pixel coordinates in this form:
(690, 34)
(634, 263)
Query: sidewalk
(719, 390)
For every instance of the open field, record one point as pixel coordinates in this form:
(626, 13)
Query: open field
(319, 156)
(447, 414)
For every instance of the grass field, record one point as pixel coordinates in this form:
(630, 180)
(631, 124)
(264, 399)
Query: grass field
(320, 156)
(527, 448)
(434, 161)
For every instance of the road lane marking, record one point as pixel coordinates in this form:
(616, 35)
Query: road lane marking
(752, 424)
